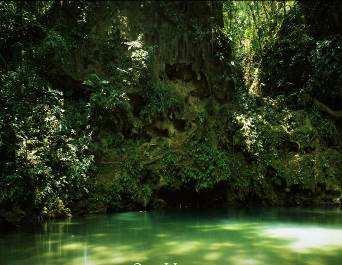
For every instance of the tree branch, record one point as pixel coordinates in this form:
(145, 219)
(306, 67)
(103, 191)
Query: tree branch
(337, 114)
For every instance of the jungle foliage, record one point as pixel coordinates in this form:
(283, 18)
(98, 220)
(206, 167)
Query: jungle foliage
(109, 106)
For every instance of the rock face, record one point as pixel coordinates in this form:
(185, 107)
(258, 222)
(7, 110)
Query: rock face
(191, 79)
(191, 55)
(187, 142)
(190, 45)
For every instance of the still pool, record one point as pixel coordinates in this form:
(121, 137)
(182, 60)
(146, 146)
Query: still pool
(248, 237)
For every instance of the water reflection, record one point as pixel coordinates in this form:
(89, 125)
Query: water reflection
(235, 237)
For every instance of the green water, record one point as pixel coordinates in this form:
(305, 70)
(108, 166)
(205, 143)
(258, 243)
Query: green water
(250, 237)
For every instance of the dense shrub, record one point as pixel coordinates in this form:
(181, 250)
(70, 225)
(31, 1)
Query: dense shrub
(44, 165)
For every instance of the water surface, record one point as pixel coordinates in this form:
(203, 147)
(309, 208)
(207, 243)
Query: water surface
(237, 237)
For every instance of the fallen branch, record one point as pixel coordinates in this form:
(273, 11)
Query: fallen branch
(337, 114)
